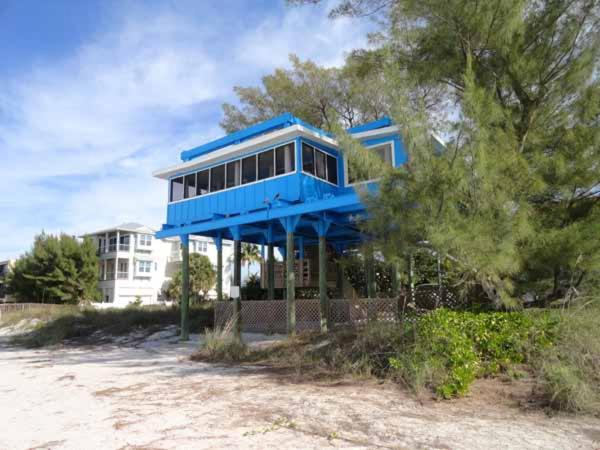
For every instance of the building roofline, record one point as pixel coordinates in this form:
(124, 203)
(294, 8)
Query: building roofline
(139, 229)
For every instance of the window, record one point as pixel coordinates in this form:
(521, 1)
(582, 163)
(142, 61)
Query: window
(200, 246)
(233, 174)
(384, 152)
(217, 178)
(308, 159)
(145, 240)
(320, 164)
(144, 266)
(284, 159)
(190, 186)
(176, 189)
(124, 242)
(266, 167)
(332, 173)
(356, 175)
(202, 186)
(266, 164)
(249, 169)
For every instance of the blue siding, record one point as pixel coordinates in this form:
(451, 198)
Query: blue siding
(292, 188)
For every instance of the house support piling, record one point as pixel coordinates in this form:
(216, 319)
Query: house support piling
(185, 287)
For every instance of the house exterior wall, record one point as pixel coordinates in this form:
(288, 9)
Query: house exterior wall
(148, 268)
(289, 188)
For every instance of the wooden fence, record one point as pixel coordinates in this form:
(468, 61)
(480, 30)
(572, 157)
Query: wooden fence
(13, 307)
(269, 316)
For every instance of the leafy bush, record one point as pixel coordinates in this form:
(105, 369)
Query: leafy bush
(450, 349)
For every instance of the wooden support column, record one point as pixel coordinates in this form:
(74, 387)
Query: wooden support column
(290, 284)
(237, 281)
(270, 262)
(289, 224)
(324, 300)
(370, 272)
(411, 277)
(271, 272)
(219, 244)
(321, 227)
(185, 287)
(440, 298)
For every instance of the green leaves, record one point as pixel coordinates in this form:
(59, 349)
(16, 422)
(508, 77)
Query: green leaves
(202, 278)
(451, 349)
(58, 269)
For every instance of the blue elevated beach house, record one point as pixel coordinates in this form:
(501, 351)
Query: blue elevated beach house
(281, 183)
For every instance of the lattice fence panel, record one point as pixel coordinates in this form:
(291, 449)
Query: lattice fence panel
(308, 314)
(264, 316)
(270, 316)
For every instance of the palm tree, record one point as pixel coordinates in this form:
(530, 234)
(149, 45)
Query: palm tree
(250, 254)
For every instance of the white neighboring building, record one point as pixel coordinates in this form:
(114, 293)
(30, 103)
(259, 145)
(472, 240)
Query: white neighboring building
(135, 265)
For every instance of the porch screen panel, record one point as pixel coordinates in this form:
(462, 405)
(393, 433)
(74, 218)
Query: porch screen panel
(233, 174)
(284, 159)
(320, 164)
(332, 166)
(176, 189)
(217, 178)
(249, 169)
(266, 165)
(202, 185)
(308, 159)
(190, 186)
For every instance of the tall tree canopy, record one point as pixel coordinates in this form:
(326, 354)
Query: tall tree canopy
(320, 96)
(515, 195)
(58, 269)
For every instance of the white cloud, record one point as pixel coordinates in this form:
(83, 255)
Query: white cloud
(79, 137)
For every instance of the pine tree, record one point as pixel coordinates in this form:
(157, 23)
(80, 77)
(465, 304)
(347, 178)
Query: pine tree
(58, 269)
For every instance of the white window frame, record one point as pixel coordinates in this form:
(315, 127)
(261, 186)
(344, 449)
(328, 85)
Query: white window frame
(145, 240)
(142, 265)
(392, 143)
(266, 149)
(337, 164)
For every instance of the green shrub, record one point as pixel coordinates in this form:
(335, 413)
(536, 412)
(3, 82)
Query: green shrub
(450, 349)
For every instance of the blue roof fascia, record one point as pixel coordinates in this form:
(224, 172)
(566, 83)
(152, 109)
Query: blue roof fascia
(381, 123)
(282, 121)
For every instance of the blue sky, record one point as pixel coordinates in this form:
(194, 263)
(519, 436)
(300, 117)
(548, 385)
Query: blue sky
(96, 95)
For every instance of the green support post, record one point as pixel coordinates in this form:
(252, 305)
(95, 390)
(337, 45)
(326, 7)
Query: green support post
(219, 243)
(237, 281)
(370, 269)
(185, 288)
(271, 272)
(324, 301)
(411, 277)
(290, 284)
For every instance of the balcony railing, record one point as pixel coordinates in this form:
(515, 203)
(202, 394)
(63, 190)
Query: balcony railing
(122, 275)
(110, 275)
